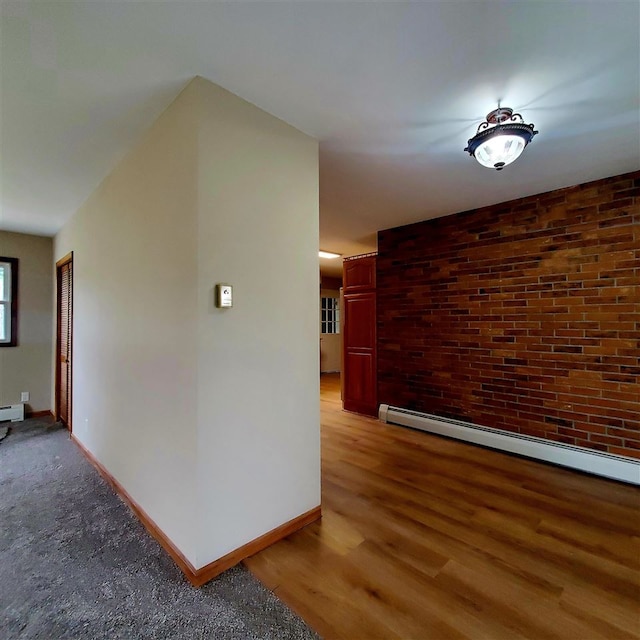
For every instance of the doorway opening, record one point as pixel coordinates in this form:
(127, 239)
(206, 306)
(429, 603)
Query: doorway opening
(330, 325)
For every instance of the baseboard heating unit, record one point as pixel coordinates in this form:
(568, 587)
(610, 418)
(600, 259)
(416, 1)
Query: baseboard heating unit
(13, 412)
(596, 462)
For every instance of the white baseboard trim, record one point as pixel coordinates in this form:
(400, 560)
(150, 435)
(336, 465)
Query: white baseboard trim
(596, 462)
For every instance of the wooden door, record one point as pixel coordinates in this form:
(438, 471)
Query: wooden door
(64, 339)
(360, 381)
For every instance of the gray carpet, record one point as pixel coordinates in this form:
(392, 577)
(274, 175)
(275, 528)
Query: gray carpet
(75, 563)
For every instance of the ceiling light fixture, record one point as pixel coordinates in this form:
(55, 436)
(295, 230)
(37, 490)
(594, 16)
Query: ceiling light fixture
(501, 139)
(328, 254)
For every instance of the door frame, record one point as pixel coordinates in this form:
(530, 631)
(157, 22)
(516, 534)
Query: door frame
(59, 264)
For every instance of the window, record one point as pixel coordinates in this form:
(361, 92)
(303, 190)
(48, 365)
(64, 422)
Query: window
(8, 302)
(330, 319)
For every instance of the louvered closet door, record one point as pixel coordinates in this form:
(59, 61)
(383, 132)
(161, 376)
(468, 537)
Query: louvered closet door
(65, 312)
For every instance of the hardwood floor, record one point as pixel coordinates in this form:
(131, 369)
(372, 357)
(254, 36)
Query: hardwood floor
(424, 537)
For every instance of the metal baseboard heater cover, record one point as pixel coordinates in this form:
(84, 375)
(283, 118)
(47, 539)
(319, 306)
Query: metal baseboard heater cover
(596, 462)
(13, 412)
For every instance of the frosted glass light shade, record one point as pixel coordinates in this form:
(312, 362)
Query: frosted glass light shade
(500, 139)
(499, 151)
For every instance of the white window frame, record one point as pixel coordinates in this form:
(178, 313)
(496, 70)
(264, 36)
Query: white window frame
(9, 302)
(329, 315)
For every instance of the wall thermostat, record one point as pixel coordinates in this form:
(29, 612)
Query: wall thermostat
(224, 296)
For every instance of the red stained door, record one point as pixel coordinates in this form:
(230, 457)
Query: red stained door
(359, 372)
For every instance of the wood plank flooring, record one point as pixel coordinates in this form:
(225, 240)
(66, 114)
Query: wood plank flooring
(428, 538)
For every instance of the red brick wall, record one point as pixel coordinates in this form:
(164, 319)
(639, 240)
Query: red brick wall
(523, 316)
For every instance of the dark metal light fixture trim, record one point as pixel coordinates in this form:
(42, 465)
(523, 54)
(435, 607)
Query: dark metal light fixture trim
(501, 139)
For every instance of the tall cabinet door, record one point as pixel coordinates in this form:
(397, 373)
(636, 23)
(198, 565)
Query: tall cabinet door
(360, 393)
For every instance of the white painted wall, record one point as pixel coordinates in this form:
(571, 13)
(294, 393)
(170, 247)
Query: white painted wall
(135, 338)
(208, 418)
(26, 367)
(258, 396)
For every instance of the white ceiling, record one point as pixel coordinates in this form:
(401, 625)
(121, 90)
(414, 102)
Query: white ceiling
(392, 90)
